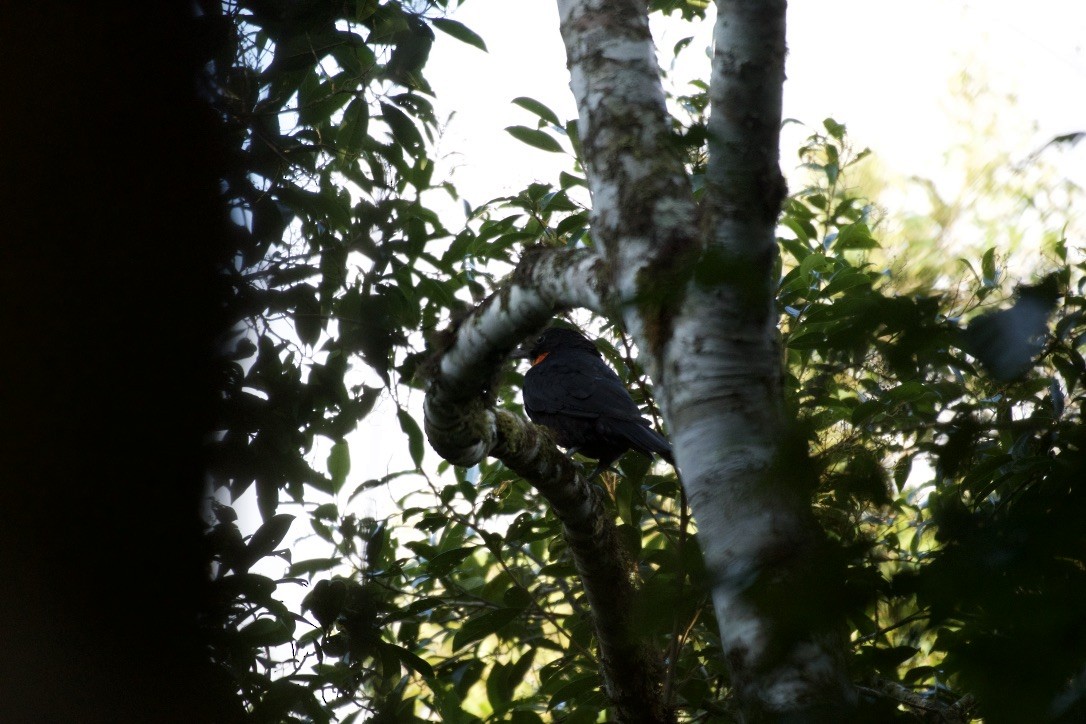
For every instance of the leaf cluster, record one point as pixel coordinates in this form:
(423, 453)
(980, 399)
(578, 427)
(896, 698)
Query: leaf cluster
(945, 475)
(339, 265)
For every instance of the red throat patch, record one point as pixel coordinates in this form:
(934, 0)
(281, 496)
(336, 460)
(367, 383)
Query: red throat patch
(540, 358)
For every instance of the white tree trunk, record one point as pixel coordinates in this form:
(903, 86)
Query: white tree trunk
(711, 337)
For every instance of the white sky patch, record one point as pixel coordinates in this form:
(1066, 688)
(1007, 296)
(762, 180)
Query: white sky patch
(886, 70)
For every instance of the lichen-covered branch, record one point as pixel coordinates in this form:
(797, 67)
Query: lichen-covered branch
(933, 710)
(632, 670)
(463, 427)
(459, 418)
(644, 217)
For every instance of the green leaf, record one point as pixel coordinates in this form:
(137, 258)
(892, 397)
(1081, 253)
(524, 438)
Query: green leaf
(267, 496)
(845, 280)
(375, 546)
(855, 236)
(312, 565)
(328, 511)
(835, 129)
(517, 597)
(573, 133)
(1058, 400)
(575, 688)
(266, 632)
(520, 669)
(483, 625)
(317, 101)
(557, 201)
(901, 471)
(267, 537)
(326, 601)
(984, 472)
(571, 222)
(354, 59)
(403, 128)
(530, 104)
(251, 586)
(442, 563)
(354, 128)
(865, 411)
(307, 314)
(814, 263)
(566, 180)
(988, 268)
(414, 436)
(415, 608)
(797, 249)
(459, 31)
(534, 137)
(804, 232)
(223, 513)
(409, 659)
(908, 392)
(497, 687)
(339, 465)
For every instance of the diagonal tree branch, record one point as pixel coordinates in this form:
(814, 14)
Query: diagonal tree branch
(460, 423)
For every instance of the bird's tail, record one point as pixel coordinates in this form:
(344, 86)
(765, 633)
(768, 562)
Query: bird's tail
(649, 441)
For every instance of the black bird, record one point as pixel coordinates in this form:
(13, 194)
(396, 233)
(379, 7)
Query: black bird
(572, 391)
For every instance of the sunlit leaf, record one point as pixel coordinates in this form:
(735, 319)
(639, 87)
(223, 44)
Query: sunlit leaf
(534, 137)
(459, 31)
(339, 464)
(414, 435)
(538, 108)
(483, 625)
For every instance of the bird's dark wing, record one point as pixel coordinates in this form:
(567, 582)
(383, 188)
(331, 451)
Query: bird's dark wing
(571, 386)
(637, 434)
(579, 385)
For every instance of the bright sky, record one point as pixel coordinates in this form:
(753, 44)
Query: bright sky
(885, 69)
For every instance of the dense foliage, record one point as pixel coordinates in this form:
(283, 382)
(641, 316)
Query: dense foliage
(947, 438)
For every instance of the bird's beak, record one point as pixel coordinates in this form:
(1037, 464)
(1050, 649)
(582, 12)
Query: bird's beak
(524, 349)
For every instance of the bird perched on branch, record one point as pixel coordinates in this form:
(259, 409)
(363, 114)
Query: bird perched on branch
(572, 391)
